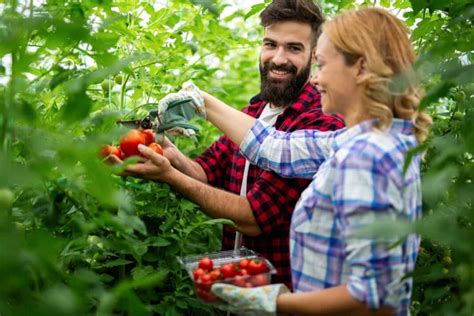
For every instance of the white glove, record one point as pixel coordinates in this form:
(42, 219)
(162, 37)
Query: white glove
(189, 92)
(249, 301)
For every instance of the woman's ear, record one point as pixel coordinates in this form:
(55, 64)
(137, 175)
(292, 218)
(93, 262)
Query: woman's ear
(360, 66)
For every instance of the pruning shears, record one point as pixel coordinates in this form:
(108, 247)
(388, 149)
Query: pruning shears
(151, 121)
(176, 115)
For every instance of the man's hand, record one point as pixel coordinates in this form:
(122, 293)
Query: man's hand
(251, 301)
(190, 95)
(176, 109)
(156, 167)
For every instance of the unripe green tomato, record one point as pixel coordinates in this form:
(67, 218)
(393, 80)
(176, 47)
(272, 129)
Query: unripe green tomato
(458, 116)
(445, 271)
(6, 199)
(447, 261)
(460, 96)
(118, 79)
(98, 257)
(105, 85)
(464, 271)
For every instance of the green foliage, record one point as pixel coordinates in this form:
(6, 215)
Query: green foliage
(80, 239)
(444, 275)
(77, 239)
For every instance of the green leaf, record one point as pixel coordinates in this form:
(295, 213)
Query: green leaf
(158, 242)
(116, 263)
(254, 10)
(413, 152)
(435, 184)
(345, 4)
(418, 5)
(147, 279)
(207, 4)
(77, 107)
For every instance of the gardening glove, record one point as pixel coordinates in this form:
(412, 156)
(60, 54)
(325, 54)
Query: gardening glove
(249, 301)
(176, 109)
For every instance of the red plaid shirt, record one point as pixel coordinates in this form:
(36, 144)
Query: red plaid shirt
(272, 198)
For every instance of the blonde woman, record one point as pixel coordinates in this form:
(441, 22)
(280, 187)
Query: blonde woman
(364, 73)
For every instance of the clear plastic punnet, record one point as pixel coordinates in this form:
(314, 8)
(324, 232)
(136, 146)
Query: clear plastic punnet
(251, 270)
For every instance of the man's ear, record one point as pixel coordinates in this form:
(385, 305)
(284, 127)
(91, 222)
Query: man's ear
(313, 56)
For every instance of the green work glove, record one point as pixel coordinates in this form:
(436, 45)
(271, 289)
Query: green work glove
(176, 109)
(249, 301)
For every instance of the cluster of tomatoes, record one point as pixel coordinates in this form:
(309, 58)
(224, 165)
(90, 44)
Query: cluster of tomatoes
(243, 273)
(129, 144)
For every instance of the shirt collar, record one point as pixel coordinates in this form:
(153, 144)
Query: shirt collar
(306, 100)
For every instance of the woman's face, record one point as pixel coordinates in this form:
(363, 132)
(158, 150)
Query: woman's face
(335, 80)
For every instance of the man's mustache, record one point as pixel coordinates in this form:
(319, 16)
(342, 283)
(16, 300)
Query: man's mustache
(284, 67)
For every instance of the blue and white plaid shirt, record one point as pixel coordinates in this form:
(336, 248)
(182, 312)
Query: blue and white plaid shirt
(357, 175)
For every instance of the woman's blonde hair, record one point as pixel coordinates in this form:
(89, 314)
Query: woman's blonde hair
(392, 88)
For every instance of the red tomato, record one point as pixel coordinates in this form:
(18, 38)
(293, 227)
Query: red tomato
(206, 264)
(228, 270)
(156, 148)
(239, 280)
(120, 153)
(206, 296)
(204, 282)
(130, 141)
(197, 273)
(257, 267)
(108, 150)
(215, 274)
(260, 280)
(243, 263)
(242, 272)
(149, 136)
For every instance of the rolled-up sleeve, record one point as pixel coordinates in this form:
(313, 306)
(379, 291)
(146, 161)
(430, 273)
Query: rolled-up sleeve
(295, 154)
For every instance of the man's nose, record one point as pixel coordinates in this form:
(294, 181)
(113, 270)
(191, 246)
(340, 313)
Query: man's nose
(280, 57)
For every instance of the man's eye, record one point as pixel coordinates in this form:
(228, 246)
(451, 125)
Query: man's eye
(295, 49)
(269, 45)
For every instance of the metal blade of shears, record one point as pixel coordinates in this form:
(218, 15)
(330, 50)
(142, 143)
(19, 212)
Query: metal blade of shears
(130, 123)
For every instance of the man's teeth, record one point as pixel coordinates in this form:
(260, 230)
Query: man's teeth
(279, 72)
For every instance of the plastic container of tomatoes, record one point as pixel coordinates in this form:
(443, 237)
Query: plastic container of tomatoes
(243, 268)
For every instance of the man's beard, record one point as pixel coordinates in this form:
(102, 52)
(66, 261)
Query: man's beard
(282, 92)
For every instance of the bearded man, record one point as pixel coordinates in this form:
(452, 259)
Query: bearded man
(220, 181)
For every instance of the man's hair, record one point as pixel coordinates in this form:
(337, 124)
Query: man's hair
(304, 11)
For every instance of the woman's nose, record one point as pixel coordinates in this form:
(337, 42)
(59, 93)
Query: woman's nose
(314, 78)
